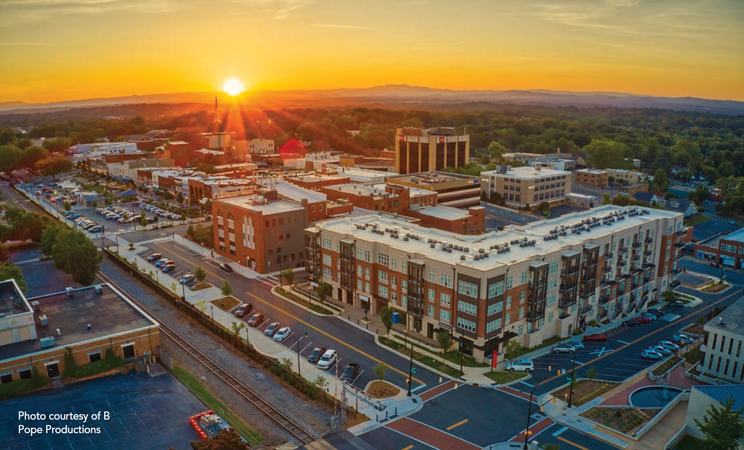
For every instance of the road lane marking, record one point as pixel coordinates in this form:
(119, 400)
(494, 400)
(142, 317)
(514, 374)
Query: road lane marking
(418, 388)
(560, 431)
(528, 384)
(571, 443)
(457, 424)
(298, 319)
(623, 342)
(409, 447)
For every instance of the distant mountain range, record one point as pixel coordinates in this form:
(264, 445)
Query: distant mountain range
(406, 96)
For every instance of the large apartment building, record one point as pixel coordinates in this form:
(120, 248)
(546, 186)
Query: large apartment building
(452, 189)
(529, 283)
(423, 150)
(527, 186)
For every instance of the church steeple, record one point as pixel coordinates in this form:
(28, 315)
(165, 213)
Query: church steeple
(216, 122)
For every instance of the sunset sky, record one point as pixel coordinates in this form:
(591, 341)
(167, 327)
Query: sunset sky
(54, 50)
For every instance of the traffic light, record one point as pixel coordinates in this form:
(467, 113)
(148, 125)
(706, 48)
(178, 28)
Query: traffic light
(408, 381)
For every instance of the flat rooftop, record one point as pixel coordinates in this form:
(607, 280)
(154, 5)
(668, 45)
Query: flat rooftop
(431, 178)
(258, 203)
(732, 317)
(108, 313)
(444, 212)
(12, 301)
(421, 245)
(526, 173)
(298, 193)
(594, 171)
(362, 190)
(737, 236)
(415, 192)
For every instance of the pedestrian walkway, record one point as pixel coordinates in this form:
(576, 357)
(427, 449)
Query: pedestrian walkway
(535, 429)
(430, 436)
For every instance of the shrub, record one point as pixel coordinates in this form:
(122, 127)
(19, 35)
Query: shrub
(71, 366)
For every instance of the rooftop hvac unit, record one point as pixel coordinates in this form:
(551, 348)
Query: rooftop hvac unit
(405, 238)
(43, 320)
(46, 342)
(432, 245)
(99, 289)
(35, 305)
(69, 291)
(462, 257)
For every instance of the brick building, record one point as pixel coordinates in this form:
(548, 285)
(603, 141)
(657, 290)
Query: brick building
(452, 189)
(423, 150)
(591, 177)
(523, 186)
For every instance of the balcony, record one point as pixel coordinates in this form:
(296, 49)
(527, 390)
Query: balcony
(623, 250)
(603, 299)
(609, 255)
(647, 252)
(679, 244)
(566, 287)
(622, 262)
(636, 244)
(584, 310)
(649, 240)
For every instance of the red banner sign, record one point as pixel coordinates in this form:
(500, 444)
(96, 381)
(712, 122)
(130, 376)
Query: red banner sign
(494, 359)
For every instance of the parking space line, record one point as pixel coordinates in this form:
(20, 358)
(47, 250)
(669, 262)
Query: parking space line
(357, 377)
(457, 424)
(620, 370)
(560, 431)
(622, 342)
(305, 348)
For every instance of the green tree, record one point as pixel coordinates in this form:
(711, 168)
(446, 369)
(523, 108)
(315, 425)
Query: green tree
(57, 145)
(513, 349)
(591, 373)
(288, 274)
(661, 180)
(200, 274)
(32, 155)
(71, 366)
(10, 157)
(237, 327)
(606, 199)
(227, 289)
(606, 153)
(485, 159)
(551, 447)
(386, 315)
(322, 290)
(75, 254)
(10, 270)
(444, 338)
(320, 382)
(4, 254)
(380, 370)
(179, 197)
(53, 166)
(723, 427)
(49, 238)
(67, 205)
(497, 151)
(668, 296)
(143, 218)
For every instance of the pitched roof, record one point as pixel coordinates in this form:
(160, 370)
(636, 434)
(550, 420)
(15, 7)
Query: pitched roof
(678, 204)
(643, 196)
(127, 193)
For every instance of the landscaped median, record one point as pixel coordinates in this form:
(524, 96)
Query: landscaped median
(625, 420)
(584, 391)
(666, 366)
(420, 356)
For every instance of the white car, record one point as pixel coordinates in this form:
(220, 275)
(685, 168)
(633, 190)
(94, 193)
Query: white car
(660, 349)
(282, 334)
(679, 337)
(650, 354)
(520, 365)
(328, 359)
(578, 345)
(671, 346)
(649, 316)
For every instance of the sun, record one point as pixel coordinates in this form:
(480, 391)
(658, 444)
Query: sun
(233, 86)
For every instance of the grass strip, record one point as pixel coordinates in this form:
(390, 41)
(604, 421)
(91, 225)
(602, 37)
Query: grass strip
(505, 377)
(427, 360)
(216, 405)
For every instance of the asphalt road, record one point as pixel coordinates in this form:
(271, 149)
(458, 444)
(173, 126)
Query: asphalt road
(700, 266)
(352, 344)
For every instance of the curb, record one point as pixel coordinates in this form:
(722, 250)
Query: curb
(333, 313)
(423, 366)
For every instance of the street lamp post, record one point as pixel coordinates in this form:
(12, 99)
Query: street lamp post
(299, 372)
(573, 378)
(410, 372)
(116, 236)
(529, 412)
(212, 306)
(183, 290)
(103, 230)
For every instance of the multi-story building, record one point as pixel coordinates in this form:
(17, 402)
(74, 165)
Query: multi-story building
(629, 176)
(424, 150)
(527, 186)
(731, 249)
(722, 354)
(315, 182)
(530, 282)
(591, 177)
(452, 189)
(127, 170)
(36, 333)
(261, 146)
(260, 232)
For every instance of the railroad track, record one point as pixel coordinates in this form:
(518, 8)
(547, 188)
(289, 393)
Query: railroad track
(275, 415)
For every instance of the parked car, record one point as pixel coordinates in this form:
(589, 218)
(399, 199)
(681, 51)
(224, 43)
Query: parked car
(169, 268)
(243, 310)
(669, 345)
(643, 319)
(282, 334)
(732, 222)
(226, 267)
(714, 265)
(675, 305)
(329, 358)
(271, 329)
(576, 344)
(316, 354)
(351, 372)
(163, 262)
(680, 337)
(256, 320)
(650, 354)
(186, 279)
(96, 229)
(649, 316)
(631, 323)
(655, 312)
(564, 348)
(598, 337)
(674, 283)
(154, 257)
(661, 350)
(520, 365)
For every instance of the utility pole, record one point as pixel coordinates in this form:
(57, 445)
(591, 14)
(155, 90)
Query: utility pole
(529, 413)
(410, 372)
(573, 377)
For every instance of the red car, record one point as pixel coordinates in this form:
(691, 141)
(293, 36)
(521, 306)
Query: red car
(595, 337)
(643, 319)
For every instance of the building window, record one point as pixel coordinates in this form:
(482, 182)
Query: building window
(444, 299)
(495, 308)
(466, 325)
(403, 301)
(382, 291)
(24, 374)
(431, 311)
(359, 270)
(432, 276)
(524, 277)
(366, 288)
(382, 276)
(508, 302)
(366, 273)
(327, 272)
(393, 282)
(393, 297)
(493, 325)
(94, 356)
(521, 313)
(404, 267)
(467, 308)
(431, 295)
(550, 317)
(521, 297)
(383, 259)
(359, 285)
(444, 316)
(404, 284)
(327, 260)
(509, 281)
(469, 289)
(367, 256)
(507, 319)
(394, 264)
(446, 280)
(326, 243)
(496, 289)
(6, 378)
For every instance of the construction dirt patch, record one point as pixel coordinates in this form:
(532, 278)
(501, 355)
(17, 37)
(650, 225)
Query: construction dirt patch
(226, 303)
(624, 420)
(382, 389)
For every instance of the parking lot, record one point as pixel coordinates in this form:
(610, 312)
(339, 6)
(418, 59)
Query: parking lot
(624, 344)
(145, 413)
